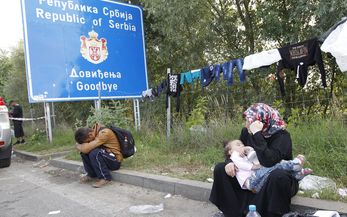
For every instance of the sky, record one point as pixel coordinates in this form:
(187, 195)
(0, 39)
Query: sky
(11, 23)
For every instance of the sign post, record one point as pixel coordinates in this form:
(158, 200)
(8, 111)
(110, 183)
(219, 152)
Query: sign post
(83, 50)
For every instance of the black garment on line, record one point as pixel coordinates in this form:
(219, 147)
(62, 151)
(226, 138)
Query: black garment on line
(174, 89)
(274, 199)
(299, 57)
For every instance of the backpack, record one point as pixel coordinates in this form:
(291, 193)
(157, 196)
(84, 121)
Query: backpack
(126, 141)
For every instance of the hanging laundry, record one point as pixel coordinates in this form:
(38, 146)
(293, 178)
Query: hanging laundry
(162, 87)
(155, 91)
(207, 75)
(216, 71)
(174, 89)
(228, 68)
(325, 35)
(336, 44)
(190, 76)
(298, 57)
(264, 58)
(147, 94)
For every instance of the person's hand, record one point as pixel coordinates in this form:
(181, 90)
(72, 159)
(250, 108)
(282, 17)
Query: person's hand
(247, 149)
(256, 126)
(230, 169)
(243, 152)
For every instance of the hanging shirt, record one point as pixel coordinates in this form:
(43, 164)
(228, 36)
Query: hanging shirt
(148, 94)
(336, 44)
(207, 75)
(190, 76)
(162, 87)
(298, 57)
(174, 88)
(264, 58)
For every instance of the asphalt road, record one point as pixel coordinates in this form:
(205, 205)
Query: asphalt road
(36, 189)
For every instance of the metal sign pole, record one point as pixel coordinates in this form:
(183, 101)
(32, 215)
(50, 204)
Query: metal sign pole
(168, 111)
(137, 114)
(53, 114)
(97, 103)
(48, 121)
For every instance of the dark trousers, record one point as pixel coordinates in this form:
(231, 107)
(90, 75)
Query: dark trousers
(18, 129)
(98, 163)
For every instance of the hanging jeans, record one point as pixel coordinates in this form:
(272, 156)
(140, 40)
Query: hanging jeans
(228, 68)
(98, 163)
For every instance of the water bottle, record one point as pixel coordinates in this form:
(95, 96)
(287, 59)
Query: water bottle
(252, 211)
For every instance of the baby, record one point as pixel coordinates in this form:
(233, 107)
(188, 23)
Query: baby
(251, 175)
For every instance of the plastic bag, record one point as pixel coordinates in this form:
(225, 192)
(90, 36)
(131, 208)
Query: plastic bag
(145, 209)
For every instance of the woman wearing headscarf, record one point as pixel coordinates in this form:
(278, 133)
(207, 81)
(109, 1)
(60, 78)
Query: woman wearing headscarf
(265, 132)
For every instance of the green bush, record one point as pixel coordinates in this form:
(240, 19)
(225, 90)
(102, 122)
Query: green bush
(114, 114)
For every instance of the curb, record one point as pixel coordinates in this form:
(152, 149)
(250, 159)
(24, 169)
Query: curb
(190, 189)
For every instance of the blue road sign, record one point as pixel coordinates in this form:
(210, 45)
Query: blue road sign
(82, 50)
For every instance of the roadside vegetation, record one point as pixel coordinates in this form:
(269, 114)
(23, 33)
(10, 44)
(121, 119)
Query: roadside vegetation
(193, 154)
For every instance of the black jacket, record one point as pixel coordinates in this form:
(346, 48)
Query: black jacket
(299, 57)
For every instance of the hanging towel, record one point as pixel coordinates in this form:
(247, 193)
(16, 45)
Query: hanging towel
(325, 35)
(264, 58)
(336, 44)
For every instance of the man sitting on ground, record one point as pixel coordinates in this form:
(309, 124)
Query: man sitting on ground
(101, 153)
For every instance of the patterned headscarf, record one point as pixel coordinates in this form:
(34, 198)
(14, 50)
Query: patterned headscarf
(270, 117)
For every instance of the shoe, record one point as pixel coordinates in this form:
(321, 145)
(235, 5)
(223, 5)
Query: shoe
(86, 179)
(303, 173)
(100, 183)
(306, 171)
(22, 142)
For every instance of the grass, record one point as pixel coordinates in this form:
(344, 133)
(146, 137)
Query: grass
(191, 155)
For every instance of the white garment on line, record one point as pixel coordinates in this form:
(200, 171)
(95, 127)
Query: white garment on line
(336, 44)
(147, 93)
(264, 58)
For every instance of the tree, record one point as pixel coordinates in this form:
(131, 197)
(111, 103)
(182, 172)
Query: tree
(5, 69)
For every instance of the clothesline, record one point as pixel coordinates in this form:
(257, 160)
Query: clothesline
(296, 57)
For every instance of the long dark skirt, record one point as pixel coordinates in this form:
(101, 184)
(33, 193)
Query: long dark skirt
(18, 129)
(272, 201)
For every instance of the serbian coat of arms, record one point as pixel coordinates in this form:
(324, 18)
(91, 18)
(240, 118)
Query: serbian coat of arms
(93, 49)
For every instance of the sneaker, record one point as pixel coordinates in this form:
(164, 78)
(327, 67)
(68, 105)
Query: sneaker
(22, 142)
(86, 179)
(100, 183)
(304, 172)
